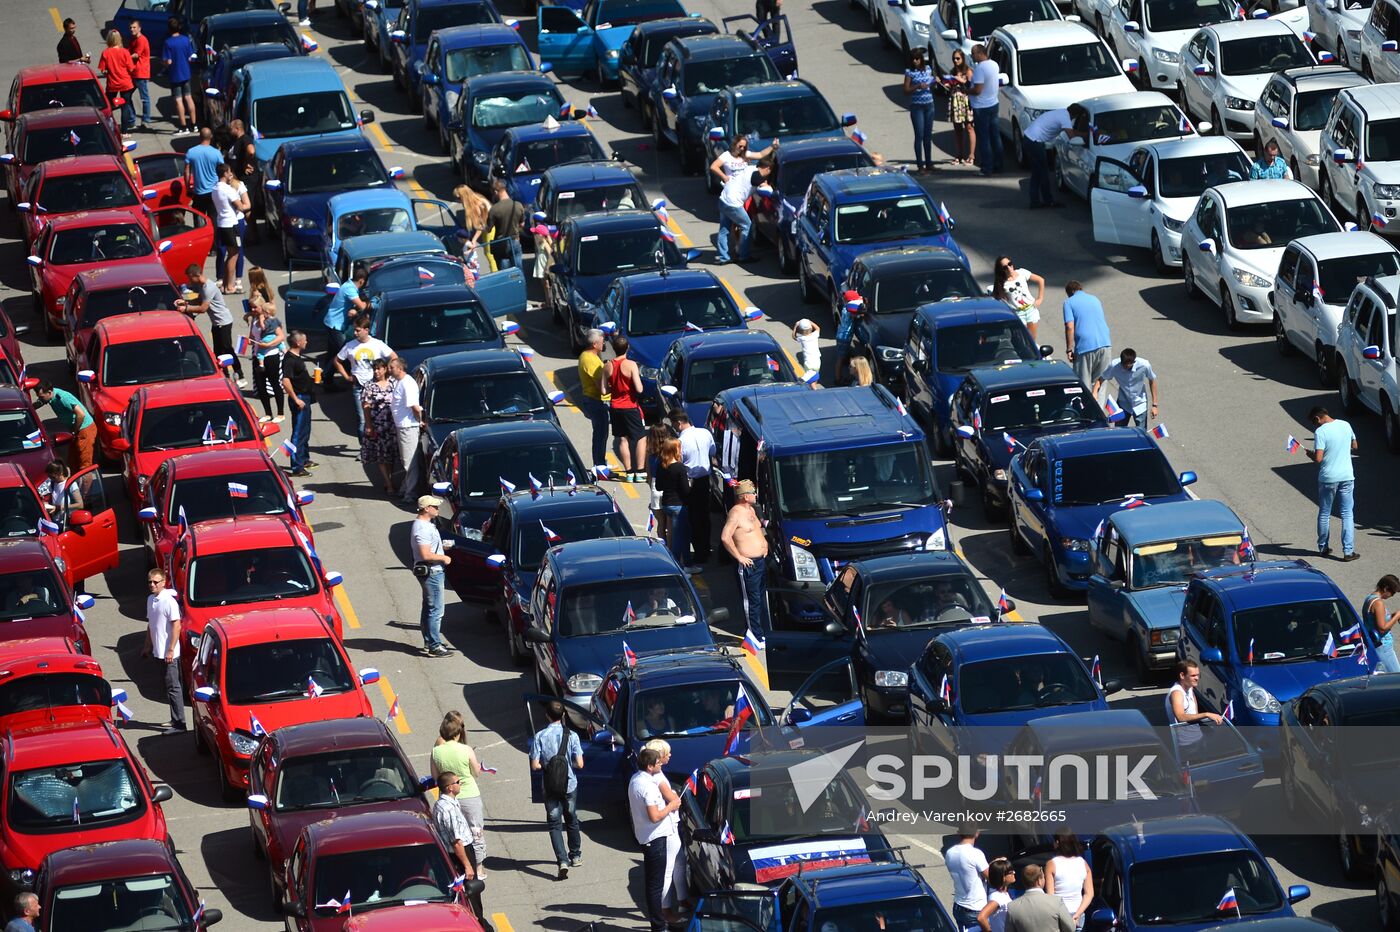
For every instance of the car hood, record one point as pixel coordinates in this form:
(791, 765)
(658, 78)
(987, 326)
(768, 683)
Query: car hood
(990, 731)
(891, 650)
(287, 826)
(309, 206)
(1170, 40)
(1262, 262)
(485, 139)
(1387, 172)
(32, 463)
(1289, 680)
(889, 329)
(1160, 607)
(845, 255)
(274, 715)
(1056, 96)
(265, 148)
(1000, 457)
(591, 287)
(1178, 208)
(614, 36)
(1082, 520)
(1247, 86)
(439, 431)
(526, 185)
(879, 524)
(23, 851)
(650, 350)
(597, 653)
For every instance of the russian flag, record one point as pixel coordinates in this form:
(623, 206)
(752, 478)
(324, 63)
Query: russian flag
(1010, 442)
(566, 110)
(459, 883)
(1352, 635)
(1160, 432)
(507, 486)
(255, 726)
(77, 812)
(1133, 501)
(1249, 655)
(425, 275)
(592, 111)
(1096, 670)
(726, 834)
(313, 688)
(629, 655)
(602, 472)
(1184, 125)
(1378, 219)
(48, 527)
(393, 710)
(344, 906)
(1003, 605)
(198, 915)
(666, 233)
(1228, 901)
(629, 614)
(1329, 646)
(772, 364)
(658, 207)
(977, 419)
(692, 782)
(182, 521)
(945, 690)
(1291, 445)
(862, 821)
(208, 436)
(1229, 713)
(34, 436)
(742, 712)
(73, 137)
(858, 137)
(289, 448)
(237, 490)
(1111, 409)
(243, 345)
(943, 215)
(693, 328)
(535, 485)
(573, 481)
(549, 535)
(751, 644)
(230, 428)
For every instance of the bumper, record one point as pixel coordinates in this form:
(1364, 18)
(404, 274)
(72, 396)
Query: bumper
(302, 244)
(106, 433)
(1310, 174)
(1239, 124)
(1171, 246)
(235, 768)
(887, 701)
(1073, 569)
(1162, 76)
(1251, 304)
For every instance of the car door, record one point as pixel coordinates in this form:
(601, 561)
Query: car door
(1028, 472)
(945, 34)
(1307, 744)
(190, 236)
(470, 571)
(1220, 764)
(438, 218)
(89, 538)
(1345, 177)
(1106, 594)
(502, 293)
(1371, 372)
(830, 696)
(163, 172)
(664, 106)
(565, 40)
(797, 635)
(305, 299)
(608, 759)
(1120, 216)
(1195, 92)
(432, 78)
(1205, 263)
(821, 215)
(1009, 96)
(738, 911)
(1308, 306)
(916, 368)
(1214, 686)
(935, 720)
(1286, 301)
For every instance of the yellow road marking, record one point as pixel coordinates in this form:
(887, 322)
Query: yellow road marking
(418, 188)
(501, 923)
(627, 487)
(346, 609)
(681, 239)
(400, 720)
(57, 19)
(377, 132)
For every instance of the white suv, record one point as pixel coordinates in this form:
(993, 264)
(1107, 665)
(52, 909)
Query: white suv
(1380, 42)
(1292, 111)
(1153, 32)
(958, 24)
(1360, 144)
(1224, 69)
(1366, 347)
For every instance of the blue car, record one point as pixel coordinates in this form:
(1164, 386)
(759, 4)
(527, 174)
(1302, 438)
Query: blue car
(458, 53)
(400, 272)
(593, 595)
(577, 188)
(302, 178)
(795, 164)
(428, 322)
(786, 110)
(1063, 485)
(591, 252)
(1141, 567)
(588, 40)
(475, 387)
(636, 71)
(487, 107)
(1259, 633)
(1169, 875)
(385, 210)
(289, 99)
(381, 17)
(310, 287)
(244, 27)
(214, 87)
(856, 210)
(155, 17)
(417, 21)
(699, 366)
(524, 154)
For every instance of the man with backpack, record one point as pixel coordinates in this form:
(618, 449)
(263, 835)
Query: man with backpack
(556, 751)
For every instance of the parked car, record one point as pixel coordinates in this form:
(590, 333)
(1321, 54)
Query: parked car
(458, 53)
(100, 886)
(1224, 68)
(1366, 348)
(1293, 109)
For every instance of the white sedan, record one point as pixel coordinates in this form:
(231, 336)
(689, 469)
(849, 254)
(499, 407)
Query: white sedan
(1153, 31)
(1337, 25)
(1224, 69)
(1118, 124)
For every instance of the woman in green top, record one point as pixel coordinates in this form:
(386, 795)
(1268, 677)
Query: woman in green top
(451, 753)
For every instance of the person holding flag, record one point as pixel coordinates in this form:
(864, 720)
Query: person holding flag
(1135, 381)
(429, 565)
(450, 824)
(163, 643)
(1335, 443)
(1375, 616)
(652, 825)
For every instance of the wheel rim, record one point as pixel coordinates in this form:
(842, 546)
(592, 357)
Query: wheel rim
(1052, 578)
(1344, 389)
(1325, 187)
(1279, 335)
(1215, 118)
(1227, 304)
(1324, 370)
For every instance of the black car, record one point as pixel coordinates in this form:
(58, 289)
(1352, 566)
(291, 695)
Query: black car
(478, 387)
(637, 61)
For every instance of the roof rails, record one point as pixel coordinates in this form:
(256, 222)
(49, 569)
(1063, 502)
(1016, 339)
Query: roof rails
(898, 865)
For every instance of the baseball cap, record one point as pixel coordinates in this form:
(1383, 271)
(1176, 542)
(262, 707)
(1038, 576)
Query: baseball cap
(746, 487)
(429, 501)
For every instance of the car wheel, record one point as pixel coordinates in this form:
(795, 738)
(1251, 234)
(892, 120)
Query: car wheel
(1098, 27)
(1281, 342)
(518, 655)
(258, 853)
(804, 285)
(51, 332)
(415, 101)
(1361, 212)
(399, 80)
(838, 307)
(1297, 172)
(1292, 804)
(904, 47)
(1346, 855)
(1052, 575)
(229, 792)
(1346, 390)
(1343, 58)
(1326, 362)
(1324, 189)
(600, 76)
(200, 747)
(1016, 143)
(644, 112)
(1389, 919)
(1138, 655)
(1227, 304)
(990, 509)
(1159, 257)
(1366, 71)
(275, 888)
(1192, 290)
(882, 27)
(1060, 176)
(1391, 425)
(787, 262)
(874, 13)
(1218, 129)
(427, 113)
(712, 185)
(1018, 546)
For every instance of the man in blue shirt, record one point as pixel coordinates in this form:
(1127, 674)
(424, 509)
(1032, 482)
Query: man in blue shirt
(343, 309)
(202, 163)
(177, 52)
(26, 913)
(1086, 333)
(1335, 442)
(544, 745)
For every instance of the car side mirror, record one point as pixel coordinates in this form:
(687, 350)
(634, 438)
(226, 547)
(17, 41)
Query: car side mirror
(1298, 892)
(1046, 351)
(442, 488)
(1034, 495)
(1188, 477)
(1206, 245)
(1371, 352)
(1341, 156)
(707, 835)
(1115, 584)
(80, 518)
(430, 78)
(1204, 127)
(366, 116)
(1111, 686)
(284, 8)
(146, 515)
(1132, 25)
(206, 694)
(62, 437)
(1212, 655)
(848, 119)
(718, 616)
(161, 793)
(939, 706)
(121, 445)
(1003, 80)
(269, 428)
(967, 430)
(835, 628)
(1390, 45)
(797, 715)
(1203, 70)
(950, 34)
(212, 915)
(536, 636)
(1137, 192)
(1280, 122)
(295, 910)
(7, 115)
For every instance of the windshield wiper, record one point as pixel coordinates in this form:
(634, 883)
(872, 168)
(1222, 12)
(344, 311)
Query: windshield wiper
(896, 504)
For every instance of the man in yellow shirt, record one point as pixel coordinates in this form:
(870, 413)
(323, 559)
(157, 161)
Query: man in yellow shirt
(595, 397)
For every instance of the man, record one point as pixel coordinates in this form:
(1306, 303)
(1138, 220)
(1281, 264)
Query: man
(244, 156)
(1086, 333)
(505, 220)
(72, 416)
(176, 53)
(231, 204)
(744, 539)
(361, 352)
(26, 904)
(1181, 698)
(622, 382)
(986, 88)
(451, 824)
(560, 812)
(211, 302)
(429, 563)
(1041, 132)
(69, 48)
(732, 213)
(298, 385)
(697, 451)
(967, 865)
(408, 421)
(1036, 910)
(1335, 442)
(140, 49)
(163, 643)
(595, 394)
(202, 163)
(344, 306)
(1135, 380)
(651, 824)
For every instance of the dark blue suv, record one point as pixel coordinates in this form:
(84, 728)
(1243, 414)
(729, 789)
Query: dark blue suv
(795, 164)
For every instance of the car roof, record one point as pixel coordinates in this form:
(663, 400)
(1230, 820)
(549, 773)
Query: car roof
(960, 313)
(791, 422)
(1188, 146)
(726, 343)
(772, 90)
(994, 642)
(868, 181)
(1389, 286)
(1361, 695)
(532, 131)
(271, 624)
(904, 258)
(670, 281)
(332, 735)
(365, 831)
(427, 297)
(1031, 373)
(147, 325)
(55, 73)
(357, 248)
(240, 55)
(604, 221)
(1174, 836)
(1047, 34)
(13, 398)
(306, 73)
(715, 45)
(23, 553)
(109, 860)
(673, 22)
(366, 199)
(1176, 521)
(457, 37)
(661, 668)
(1275, 582)
(1097, 441)
(586, 561)
(218, 462)
(475, 362)
(82, 165)
(243, 18)
(928, 564)
(1243, 29)
(1381, 99)
(507, 434)
(1326, 246)
(60, 117)
(172, 394)
(578, 174)
(253, 532)
(1317, 77)
(54, 743)
(1100, 728)
(862, 883)
(505, 80)
(92, 218)
(559, 503)
(125, 275)
(326, 145)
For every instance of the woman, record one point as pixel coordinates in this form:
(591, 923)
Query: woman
(117, 66)
(918, 86)
(1268, 165)
(729, 163)
(860, 371)
(452, 754)
(674, 889)
(1012, 286)
(960, 110)
(381, 441)
(1000, 875)
(268, 338)
(1374, 614)
(674, 486)
(1067, 876)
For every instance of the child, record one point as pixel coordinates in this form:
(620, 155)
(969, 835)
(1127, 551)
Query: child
(806, 333)
(1000, 874)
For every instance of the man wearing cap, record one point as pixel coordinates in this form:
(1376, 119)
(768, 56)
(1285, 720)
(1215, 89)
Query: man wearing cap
(743, 538)
(428, 564)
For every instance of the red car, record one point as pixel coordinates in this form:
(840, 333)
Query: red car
(24, 440)
(72, 783)
(440, 917)
(165, 173)
(218, 483)
(70, 186)
(86, 543)
(391, 856)
(56, 134)
(100, 888)
(258, 671)
(35, 601)
(166, 420)
(100, 293)
(42, 87)
(50, 680)
(134, 350)
(303, 773)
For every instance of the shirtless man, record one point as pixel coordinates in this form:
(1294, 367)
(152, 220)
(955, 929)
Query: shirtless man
(743, 538)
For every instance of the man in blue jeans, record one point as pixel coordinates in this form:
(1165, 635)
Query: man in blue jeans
(560, 812)
(1335, 443)
(744, 539)
(298, 383)
(429, 564)
(986, 91)
(732, 211)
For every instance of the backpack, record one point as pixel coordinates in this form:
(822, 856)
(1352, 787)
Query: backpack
(555, 776)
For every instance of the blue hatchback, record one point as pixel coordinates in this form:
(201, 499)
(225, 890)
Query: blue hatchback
(459, 53)
(305, 175)
(424, 322)
(214, 87)
(287, 99)
(699, 366)
(491, 104)
(526, 152)
(417, 23)
(785, 110)
(477, 386)
(637, 61)
(577, 188)
(1063, 485)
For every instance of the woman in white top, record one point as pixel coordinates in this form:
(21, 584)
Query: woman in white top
(727, 164)
(1067, 876)
(230, 201)
(1013, 287)
(1000, 876)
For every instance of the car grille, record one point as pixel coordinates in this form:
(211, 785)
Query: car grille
(841, 553)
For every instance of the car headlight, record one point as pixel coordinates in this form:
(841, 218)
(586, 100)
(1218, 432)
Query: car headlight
(22, 877)
(1258, 698)
(583, 308)
(891, 353)
(804, 565)
(1354, 35)
(921, 29)
(938, 540)
(142, 484)
(1239, 103)
(612, 54)
(1249, 279)
(1172, 226)
(1166, 57)
(112, 420)
(302, 223)
(1313, 160)
(999, 475)
(243, 745)
(891, 678)
(1164, 636)
(584, 682)
(650, 373)
(1033, 114)
(1074, 544)
(1387, 191)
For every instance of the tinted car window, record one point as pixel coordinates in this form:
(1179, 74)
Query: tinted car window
(17, 426)
(483, 471)
(281, 669)
(670, 312)
(709, 377)
(63, 94)
(99, 244)
(1176, 890)
(1110, 477)
(1297, 631)
(193, 425)
(259, 575)
(109, 904)
(413, 327)
(207, 497)
(303, 115)
(906, 291)
(31, 594)
(53, 690)
(98, 305)
(56, 143)
(962, 349)
(1034, 407)
(468, 63)
(340, 777)
(341, 171)
(458, 14)
(379, 877)
(1033, 682)
(635, 603)
(531, 542)
(86, 192)
(19, 512)
(503, 395)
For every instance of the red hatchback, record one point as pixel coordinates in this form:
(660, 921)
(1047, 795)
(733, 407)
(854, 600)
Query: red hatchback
(44, 87)
(35, 601)
(118, 885)
(24, 440)
(56, 134)
(258, 671)
(73, 185)
(10, 351)
(87, 539)
(49, 679)
(100, 293)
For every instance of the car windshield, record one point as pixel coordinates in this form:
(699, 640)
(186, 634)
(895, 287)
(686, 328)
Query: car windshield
(253, 34)
(607, 197)
(98, 305)
(1296, 631)
(306, 114)
(911, 914)
(516, 109)
(855, 481)
(962, 349)
(531, 541)
(17, 427)
(901, 605)
(435, 17)
(791, 116)
(31, 594)
(40, 145)
(780, 811)
(711, 77)
(985, 18)
(486, 397)
(694, 709)
(282, 669)
(1140, 124)
(1262, 54)
(886, 220)
(70, 193)
(81, 93)
(100, 244)
(629, 604)
(1337, 277)
(378, 876)
(549, 462)
(1113, 477)
(1036, 681)
(670, 312)
(156, 899)
(264, 574)
(338, 778)
(1067, 64)
(378, 220)
(74, 798)
(203, 423)
(903, 292)
(539, 154)
(486, 59)
(408, 275)
(1383, 140)
(624, 252)
(709, 377)
(630, 12)
(1187, 889)
(210, 497)
(1190, 176)
(1273, 224)
(415, 327)
(794, 177)
(19, 512)
(1040, 407)
(200, 10)
(53, 690)
(1174, 562)
(1310, 108)
(1172, 15)
(340, 171)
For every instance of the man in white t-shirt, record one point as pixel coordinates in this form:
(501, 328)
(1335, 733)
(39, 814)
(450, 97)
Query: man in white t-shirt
(1041, 132)
(230, 201)
(986, 92)
(732, 213)
(163, 643)
(360, 353)
(967, 865)
(408, 421)
(651, 824)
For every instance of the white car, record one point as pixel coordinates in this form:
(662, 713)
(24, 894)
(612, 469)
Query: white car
(959, 24)
(1360, 141)
(1047, 66)
(1380, 50)
(1366, 348)
(1119, 123)
(1233, 241)
(1146, 199)
(1292, 111)
(1315, 280)
(1336, 25)
(1224, 69)
(1153, 32)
